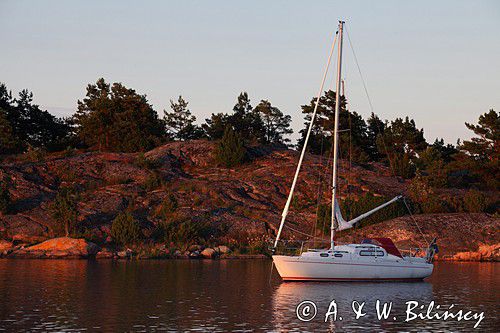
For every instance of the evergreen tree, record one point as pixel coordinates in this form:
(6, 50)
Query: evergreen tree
(230, 150)
(26, 125)
(402, 136)
(446, 151)
(125, 229)
(244, 120)
(276, 124)
(180, 123)
(64, 209)
(353, 135)
(375, 127)
(247, 122)
(8, 142)
(215, 126)
(486, 145)
(402, 141)
(480, 155)
(116, 118)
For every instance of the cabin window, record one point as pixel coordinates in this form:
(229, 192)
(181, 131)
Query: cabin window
(338, 255)
(323, 254)
(371, 253)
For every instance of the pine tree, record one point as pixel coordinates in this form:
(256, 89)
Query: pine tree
(375, 127)
(486, 144)
(230, 150)
(116, 118)
(352, 139)
(25, 125)
(247, 122)
(480, 155)
(244, 120)
(7, 139)
(215, 126)
(276, 124)
(64, 209)
(180, 123)
(125, 229)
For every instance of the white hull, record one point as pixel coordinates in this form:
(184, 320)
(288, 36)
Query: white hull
(311, 266)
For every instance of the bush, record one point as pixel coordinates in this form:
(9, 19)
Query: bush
(153, 181)
(142, 162)
(475, 202)
(434, 205)
(64, 209)
(230, 150)
(34, 154)
(419, 189)
(185, 231)
(125, 229)
(403, 166)
(5, 199)
(168, 206)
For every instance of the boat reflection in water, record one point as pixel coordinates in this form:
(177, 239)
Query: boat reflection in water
(288, 295)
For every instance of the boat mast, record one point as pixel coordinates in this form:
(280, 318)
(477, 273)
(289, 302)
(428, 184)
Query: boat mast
(336, 132)
(304, 147)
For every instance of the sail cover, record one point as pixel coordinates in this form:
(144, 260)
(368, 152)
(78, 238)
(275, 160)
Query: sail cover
(343, 224)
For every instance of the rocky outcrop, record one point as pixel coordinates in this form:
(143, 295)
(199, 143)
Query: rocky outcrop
(222, 249)
(483, 253)
(244, 202)
(208, 253)
(5, 247)
(63, 247)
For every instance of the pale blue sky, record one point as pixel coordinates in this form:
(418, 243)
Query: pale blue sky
(438, 62)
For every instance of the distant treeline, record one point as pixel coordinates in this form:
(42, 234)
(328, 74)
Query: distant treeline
(112, 117)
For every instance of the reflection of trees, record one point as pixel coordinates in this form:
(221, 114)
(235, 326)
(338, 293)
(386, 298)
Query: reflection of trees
(214, 295)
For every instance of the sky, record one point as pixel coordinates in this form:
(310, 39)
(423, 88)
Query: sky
(437, 62)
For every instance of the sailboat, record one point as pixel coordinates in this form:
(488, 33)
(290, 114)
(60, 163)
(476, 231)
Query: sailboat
(376, 259)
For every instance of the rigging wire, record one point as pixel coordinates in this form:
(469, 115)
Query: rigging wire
(304, 234)
(380, 131)
(418, 227)
(369, 100)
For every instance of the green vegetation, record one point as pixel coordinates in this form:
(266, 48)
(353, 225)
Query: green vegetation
(180, 123)
(260, 125)
(64, 210)
(230, 150)
(116, 118)
(153, 182)
(168, 206)
(185, 231)
(112, 117)
(23, 124)
(125, 229)
(142, 162)
(5, 199)
(475, 202)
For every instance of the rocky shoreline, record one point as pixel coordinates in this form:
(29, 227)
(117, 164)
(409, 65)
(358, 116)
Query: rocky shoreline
(71, 248)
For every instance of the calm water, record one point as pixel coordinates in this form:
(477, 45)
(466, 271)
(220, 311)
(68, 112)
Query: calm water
(225, 295)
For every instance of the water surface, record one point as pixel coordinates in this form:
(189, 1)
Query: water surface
(224, 295)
